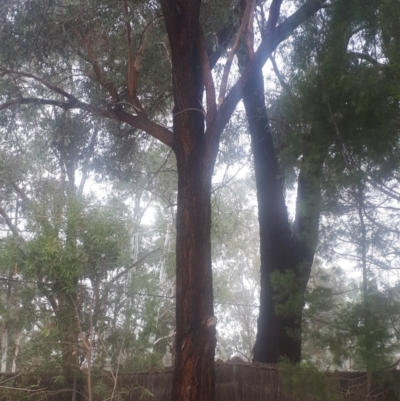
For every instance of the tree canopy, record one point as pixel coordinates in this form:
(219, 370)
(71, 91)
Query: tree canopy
(137, 98)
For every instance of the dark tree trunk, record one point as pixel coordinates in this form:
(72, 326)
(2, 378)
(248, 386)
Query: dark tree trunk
(282, 248)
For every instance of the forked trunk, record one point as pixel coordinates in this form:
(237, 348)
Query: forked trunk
(282, 248)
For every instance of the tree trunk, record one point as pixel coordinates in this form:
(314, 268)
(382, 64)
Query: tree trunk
(281, 248)
(4, 347)
(195, 326)
(5, 328)
(195, 322)
(16, 352)
(67, 323)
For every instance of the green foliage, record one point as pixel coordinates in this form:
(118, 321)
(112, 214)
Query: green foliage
(305, 380)
(288, 295)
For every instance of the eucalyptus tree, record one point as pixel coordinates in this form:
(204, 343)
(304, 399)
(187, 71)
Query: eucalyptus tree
(333, 89)
(88, 57)
(48, 227)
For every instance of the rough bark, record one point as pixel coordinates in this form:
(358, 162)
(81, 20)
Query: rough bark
(282, 248)
(195, 326)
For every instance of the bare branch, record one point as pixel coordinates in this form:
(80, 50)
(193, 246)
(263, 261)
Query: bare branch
(383, 188)
(43, 102)
(249, 32)
(134, 65)
(231, 55)
(208, 80)
(274, 11)
(280, 77)
(157, 131)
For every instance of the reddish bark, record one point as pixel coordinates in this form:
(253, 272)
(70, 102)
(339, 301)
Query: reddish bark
(195, 326)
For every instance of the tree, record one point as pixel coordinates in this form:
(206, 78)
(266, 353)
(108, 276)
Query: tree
(89, 36)
(329, 80)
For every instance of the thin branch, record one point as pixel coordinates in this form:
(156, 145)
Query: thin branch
(9, 223)
(274, 11)
(383, 188)
(125, 271)
(131, 88)
(249, 31)
(27, 390)
(281, 80)
(134, 65)
(380, 225)
(221, 39)
(43, 21)
(47, 84)
(366, 57)
(21, 193)
(42, 102)
(231, 55)
(208, 80)
(89, 151)
(101, 78)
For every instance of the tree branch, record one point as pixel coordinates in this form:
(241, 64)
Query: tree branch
(47, 84)
(231, 55)
(89, 152)
(9, 223)
(274, 11)
(21, 193)
(125, 271)
(380, 225)
(157, 131)
(249, 31)
(269, 43)
(134, 65)
(280, 77)
(224, 35)
(366, 57)
(208, 80)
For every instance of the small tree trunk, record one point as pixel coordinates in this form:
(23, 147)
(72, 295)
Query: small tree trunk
(5, 328)
(16, 352)
(4, 347)
(68, 324)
